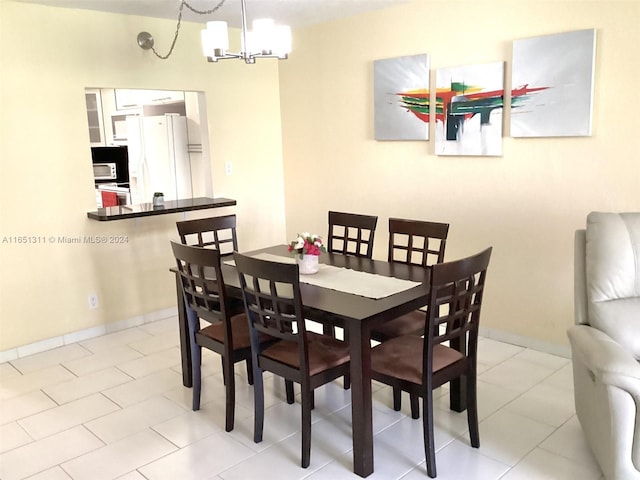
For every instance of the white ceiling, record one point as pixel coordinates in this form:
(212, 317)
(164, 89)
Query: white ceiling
(296, 13)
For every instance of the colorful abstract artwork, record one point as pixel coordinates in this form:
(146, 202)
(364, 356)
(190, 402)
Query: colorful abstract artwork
(401, 98)
(552, 82)
(469, 105)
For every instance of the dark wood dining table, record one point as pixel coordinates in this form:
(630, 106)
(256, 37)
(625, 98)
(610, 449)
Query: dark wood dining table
(358, 315)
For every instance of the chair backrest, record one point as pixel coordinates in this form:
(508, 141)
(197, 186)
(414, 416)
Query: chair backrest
(216, 232)
(202, 284)
(612, 276)
(351, 234)
(417, 242)
(271, 293)
(454, 307)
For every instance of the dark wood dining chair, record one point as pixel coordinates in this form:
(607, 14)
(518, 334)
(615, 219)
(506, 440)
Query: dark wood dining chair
(205, 298)
(271, 292)
(351, 233)
(418, 365)
(215, 232)
(219, 233)
(419, 243)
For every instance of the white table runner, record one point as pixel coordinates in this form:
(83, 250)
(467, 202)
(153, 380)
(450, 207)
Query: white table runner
(364, 284)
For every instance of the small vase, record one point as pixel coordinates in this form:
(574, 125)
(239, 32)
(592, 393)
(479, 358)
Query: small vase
(308, 264)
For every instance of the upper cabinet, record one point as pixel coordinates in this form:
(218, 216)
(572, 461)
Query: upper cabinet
(127, 98)
(95, 117)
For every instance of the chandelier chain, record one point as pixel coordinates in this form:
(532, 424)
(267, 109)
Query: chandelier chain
(184, 3)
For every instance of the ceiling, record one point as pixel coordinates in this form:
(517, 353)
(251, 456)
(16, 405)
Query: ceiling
(296, 13)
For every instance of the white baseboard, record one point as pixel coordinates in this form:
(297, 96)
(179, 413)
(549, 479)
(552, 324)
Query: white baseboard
(81, 335)
(527, 342)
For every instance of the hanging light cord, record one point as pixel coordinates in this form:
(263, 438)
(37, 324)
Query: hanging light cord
(183, 4)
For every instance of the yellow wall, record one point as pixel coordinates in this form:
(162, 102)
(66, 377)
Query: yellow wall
(48, 57)
(526, 203)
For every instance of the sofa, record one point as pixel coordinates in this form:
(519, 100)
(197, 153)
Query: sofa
(605, 340)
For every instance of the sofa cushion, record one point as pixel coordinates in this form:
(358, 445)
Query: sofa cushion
(613, 276)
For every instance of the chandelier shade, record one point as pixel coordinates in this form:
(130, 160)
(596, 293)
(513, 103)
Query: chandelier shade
(266, 39)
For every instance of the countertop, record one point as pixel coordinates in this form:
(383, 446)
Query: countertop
(122, 212)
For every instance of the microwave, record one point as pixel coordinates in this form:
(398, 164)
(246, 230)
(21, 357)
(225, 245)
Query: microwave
(105, 171)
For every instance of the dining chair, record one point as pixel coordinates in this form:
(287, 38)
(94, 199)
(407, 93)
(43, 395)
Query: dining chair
(351, 233)
(216, 232)
(219, 233)
(419, 364)
(412, 242)
(205, 298)
(271, 292)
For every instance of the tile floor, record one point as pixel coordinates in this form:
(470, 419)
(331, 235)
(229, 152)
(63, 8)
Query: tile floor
(114, 407)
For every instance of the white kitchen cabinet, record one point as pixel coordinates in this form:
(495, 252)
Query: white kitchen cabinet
(131, 98)
(94, 117)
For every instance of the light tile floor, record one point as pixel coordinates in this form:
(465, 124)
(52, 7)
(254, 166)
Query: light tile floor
(114, 407)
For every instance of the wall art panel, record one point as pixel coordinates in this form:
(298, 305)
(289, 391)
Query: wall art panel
(401, 98)
(552, 85)
(469, 109)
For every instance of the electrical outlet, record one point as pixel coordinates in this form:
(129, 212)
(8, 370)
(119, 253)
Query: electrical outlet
(93, 301)
(228, 168)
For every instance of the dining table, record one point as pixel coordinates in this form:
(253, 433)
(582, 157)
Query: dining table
(358, 310)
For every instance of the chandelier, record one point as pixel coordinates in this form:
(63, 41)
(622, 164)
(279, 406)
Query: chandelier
(266, 40)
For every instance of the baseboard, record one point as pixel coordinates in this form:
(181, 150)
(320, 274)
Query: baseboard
(527, 342)
(81, 335)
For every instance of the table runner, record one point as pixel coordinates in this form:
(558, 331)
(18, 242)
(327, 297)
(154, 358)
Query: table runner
(341, 279)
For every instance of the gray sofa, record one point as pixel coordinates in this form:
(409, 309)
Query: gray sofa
(605, 342)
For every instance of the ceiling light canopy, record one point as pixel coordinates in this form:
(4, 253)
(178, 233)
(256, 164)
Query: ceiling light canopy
(265, 40)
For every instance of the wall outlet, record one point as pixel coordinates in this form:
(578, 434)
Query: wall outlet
(228, 168)
(93, 301)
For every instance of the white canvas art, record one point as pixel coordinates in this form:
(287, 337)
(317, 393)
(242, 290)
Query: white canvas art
(552, 85)
(401, 98)
(470, 101)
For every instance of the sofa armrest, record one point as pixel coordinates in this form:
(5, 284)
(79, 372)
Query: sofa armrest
(606, 359)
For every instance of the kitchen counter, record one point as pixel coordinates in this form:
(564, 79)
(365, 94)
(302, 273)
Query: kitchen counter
(123, 212)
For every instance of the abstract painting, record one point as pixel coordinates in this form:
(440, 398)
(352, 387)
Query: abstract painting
(469, 105)
(552, 82)
(401, 98)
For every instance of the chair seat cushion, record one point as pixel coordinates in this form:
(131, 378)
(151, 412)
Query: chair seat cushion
(410, 324)
(324, 352)
(240, 331)
(401, 357)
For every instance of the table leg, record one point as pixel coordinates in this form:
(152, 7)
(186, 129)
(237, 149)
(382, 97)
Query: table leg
(361, 402)
(185, 346)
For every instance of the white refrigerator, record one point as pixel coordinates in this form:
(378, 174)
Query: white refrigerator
(158, 157)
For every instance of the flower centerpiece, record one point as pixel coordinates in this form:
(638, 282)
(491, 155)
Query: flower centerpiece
(307, 248)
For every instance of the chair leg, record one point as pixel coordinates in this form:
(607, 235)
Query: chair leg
(230, 392)
(397, 399)
(472, 410)
(196, 359)
(415, 406)
(307, 405)
(249, 371)
(224, 373)
(258, 404)
(288, 387)
(429, 440)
